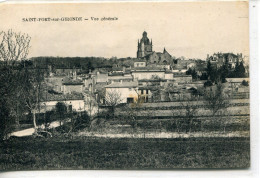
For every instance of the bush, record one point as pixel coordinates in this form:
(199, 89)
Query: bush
(208, 84)
(245, 83)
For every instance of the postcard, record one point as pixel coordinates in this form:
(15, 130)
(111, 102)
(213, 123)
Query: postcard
(124, 85)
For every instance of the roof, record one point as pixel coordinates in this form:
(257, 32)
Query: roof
(140, 60)
(181, 75)
(62, 97)
(116, 74)
(73, 82)
(153, 80)
(147, 69)
(122, 85)
(115, 77)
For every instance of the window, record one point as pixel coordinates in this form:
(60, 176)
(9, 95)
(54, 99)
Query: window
(130, 100)
(142, 92)
(70, 108)
(147, 92)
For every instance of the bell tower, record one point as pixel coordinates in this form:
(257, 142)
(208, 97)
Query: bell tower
(144, 47)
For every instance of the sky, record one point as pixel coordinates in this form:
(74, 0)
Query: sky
(189, 29)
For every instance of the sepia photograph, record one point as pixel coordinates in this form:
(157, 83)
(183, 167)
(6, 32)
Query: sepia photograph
(124, 86)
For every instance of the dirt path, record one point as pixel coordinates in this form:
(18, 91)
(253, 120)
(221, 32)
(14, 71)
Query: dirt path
(30, 131)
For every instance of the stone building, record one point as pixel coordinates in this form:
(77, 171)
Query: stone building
(218, 59)
(158, 57)
(145, 51)
(144, 47)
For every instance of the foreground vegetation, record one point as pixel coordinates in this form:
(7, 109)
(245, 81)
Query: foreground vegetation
(128, 153)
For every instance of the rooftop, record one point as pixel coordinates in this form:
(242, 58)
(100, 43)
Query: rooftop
(147, 69)
(62, 97)
(122, 85)
(73, 82)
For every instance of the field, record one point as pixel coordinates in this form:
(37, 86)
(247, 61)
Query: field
(124, 153)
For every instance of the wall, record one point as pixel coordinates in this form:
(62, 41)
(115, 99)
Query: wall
(124, 93)
(77, 105)
(56, 82)
(168, 75)
(239, 107)
(147, 75)
(139, 64)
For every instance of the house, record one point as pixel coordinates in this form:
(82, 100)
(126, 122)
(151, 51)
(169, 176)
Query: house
(148, 73)
(140, 63)
(236, 83)
(122, 92)
(179, 69)
(56, 81)
(168, 75)
(118, 77)
(101, 77)
(72, 86)
(66, 70)
(218, 59)
(74, 102)
(182, 78)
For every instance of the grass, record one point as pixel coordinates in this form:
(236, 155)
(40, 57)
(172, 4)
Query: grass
(107, 153)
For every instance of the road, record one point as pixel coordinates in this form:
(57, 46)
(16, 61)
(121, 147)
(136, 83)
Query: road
(30, 131)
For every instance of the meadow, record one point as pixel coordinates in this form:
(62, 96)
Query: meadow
(29, 153)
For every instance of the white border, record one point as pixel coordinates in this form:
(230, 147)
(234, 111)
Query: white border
(254, 17)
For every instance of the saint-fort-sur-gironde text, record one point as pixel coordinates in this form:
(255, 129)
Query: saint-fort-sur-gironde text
(67, 19)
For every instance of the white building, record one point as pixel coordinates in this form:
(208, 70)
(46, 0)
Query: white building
(74, 102)
(148, 73)
(123, 92)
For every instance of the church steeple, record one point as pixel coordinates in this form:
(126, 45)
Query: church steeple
(144, 46)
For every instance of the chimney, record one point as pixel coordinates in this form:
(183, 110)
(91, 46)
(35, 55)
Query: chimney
(121, 81)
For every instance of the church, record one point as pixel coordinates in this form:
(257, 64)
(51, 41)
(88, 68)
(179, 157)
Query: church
(145, 51)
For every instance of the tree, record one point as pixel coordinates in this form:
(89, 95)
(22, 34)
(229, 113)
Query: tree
(215, 99)
(32, 91)
(192, 72)
(112, 99)
(208, 83)
(240, 71)
(212, 72)
(224, 72)
(61, 110)
(91, 105)
(14, 46)
(190, 112)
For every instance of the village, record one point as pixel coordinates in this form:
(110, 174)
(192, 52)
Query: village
(152, 77)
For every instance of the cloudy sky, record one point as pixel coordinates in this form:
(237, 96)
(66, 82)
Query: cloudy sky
(188, 29)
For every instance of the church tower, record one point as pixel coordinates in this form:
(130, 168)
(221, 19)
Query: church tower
(144, 47)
